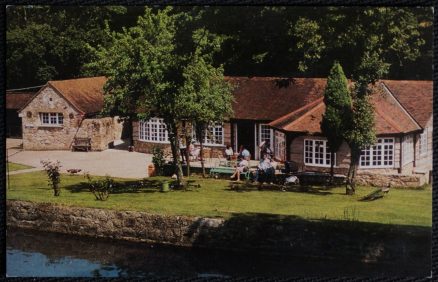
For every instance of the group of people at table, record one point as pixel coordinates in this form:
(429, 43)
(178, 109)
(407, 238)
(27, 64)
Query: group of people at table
(265, 169)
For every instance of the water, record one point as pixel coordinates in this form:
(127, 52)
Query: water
(42, 254)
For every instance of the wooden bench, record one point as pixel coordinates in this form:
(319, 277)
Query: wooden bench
(216, 171)
(81, 143)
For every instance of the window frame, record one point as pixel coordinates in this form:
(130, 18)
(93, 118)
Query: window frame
(154, 126)
(422, 146)
(212, 129)
(53, 119)
(382, 150)
(408, 149)
(325, 154)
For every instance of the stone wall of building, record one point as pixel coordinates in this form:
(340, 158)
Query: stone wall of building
(100, 130)
(37, 136)
(396, 180)
(366, 242)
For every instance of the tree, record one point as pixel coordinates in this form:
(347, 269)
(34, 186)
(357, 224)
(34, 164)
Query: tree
(49, 42)
(151, 69)
(361, 133)
(206, 96)
(337, 104)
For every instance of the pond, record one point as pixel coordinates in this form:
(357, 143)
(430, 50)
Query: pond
(42, 254)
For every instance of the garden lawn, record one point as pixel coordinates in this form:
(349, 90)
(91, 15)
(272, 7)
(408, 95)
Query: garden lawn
(14, 167)
(214, 198)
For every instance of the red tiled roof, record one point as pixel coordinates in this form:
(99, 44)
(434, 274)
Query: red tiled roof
(390, 118)
(268, 98)
(415, 96)
(86, 94)
(15, 100)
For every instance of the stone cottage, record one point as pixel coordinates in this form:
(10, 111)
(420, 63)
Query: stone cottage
(67, 109)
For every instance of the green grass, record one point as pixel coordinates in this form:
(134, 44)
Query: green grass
(214, 198)
(14, 167)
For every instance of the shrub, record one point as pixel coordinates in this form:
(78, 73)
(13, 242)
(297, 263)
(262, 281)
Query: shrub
(101, 188)
(52, 170)
(158, 160)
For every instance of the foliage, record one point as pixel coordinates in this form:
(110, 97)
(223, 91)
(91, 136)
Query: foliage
(52, 170)
(402, 206)
(101, 188)
(158, 160)
(337, 104)
(50, 42)
(152, 69)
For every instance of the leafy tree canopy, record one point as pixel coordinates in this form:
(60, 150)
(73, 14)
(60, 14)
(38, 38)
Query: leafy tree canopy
(50, 42)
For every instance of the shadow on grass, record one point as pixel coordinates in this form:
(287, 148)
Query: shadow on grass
(307, 189)
(120, 187)
(130, 186)
(391, 249)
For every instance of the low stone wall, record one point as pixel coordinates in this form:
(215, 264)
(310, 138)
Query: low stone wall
(250, 232)
(396, 180)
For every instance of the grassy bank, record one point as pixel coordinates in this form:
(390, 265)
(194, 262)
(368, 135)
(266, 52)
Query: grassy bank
(214, 198)
(14, 167)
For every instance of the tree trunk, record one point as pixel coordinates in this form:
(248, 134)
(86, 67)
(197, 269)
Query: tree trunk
(352, 171)
(188, 156)
(201, 152)
(332, 167)
(174, 145)
(131, 131)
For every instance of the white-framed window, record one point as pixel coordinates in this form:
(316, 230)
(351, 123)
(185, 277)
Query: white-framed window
(263, 133)
(379, 155)
(280, 146)
(153, 130)
(408, 149)
(52, 118)
(213, 136)
(316, 153)
(423, 143)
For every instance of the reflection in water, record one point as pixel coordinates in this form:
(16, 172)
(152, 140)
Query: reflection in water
(31, 253)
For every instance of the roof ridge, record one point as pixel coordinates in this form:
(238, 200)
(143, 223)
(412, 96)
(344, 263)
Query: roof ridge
(400, 104)
(310, 105)
(310, 111)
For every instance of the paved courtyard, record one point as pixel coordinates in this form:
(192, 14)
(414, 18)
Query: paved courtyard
(114, 162)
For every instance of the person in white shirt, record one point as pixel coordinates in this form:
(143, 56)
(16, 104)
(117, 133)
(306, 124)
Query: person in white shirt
(241, 167)
(229, 152)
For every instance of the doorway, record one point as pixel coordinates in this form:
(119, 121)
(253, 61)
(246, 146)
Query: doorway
(245, 136)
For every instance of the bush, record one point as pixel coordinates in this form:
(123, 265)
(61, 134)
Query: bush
(158, 160)
(52, 170)
(101, 188)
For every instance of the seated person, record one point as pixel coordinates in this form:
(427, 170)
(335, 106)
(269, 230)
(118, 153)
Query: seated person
(265, 171)
(229, 152)
(241, 167)
(244, 153)
(193, 151)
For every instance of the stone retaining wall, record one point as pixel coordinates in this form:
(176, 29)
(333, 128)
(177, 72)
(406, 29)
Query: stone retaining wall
(396, 180)
(265, 233)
